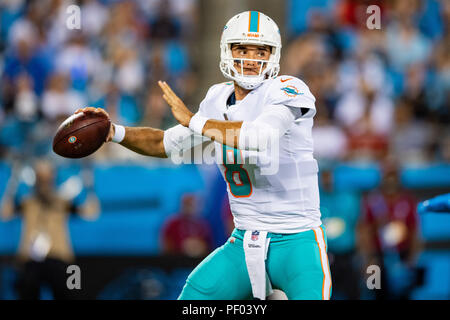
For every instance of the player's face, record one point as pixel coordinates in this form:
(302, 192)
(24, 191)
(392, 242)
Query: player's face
(250, 68)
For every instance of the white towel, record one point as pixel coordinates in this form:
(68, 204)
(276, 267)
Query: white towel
(256, 245)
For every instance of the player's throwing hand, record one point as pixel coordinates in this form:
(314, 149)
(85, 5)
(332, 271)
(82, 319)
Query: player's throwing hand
(179, 109)
(99, 110)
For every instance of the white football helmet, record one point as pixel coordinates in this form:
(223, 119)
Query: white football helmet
(250, 27)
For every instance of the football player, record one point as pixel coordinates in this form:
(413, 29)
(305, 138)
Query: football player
(253, 121)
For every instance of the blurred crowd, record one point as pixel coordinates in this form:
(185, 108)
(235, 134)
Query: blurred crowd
(382, 97)
(382, 92)
(113, 61)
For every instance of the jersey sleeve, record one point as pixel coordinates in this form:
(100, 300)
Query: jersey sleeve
(180, 139)
(292, 92)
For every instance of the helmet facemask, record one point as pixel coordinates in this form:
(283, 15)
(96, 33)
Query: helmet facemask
(267, 68)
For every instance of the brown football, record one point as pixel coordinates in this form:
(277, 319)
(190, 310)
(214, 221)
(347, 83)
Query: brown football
(81, 135)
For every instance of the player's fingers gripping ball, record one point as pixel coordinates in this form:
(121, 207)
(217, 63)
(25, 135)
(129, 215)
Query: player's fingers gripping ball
(97, 111)
(92, 110)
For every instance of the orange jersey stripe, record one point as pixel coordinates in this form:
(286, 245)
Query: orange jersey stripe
(323, 271)
(257, 30)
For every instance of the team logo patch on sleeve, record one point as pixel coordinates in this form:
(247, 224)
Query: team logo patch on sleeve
(291, 91)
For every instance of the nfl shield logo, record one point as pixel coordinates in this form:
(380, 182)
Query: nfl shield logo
(255, 235)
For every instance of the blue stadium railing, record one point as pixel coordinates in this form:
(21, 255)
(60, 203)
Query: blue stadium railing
(136, 200)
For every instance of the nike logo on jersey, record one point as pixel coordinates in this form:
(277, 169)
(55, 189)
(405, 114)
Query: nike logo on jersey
(284, 80)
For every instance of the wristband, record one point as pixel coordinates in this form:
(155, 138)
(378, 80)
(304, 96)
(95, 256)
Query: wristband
(197, 123)
(119, 133)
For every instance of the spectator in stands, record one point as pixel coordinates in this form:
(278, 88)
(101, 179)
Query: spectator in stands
(445, 147)
(25, 102)
(45, 250)
(367, 116)
(364, 144)
(125, 23)
(411, 138)
(439, 88)
(187, 234)
(165, 25)
(156, 110)
(80, 62)
(362, 101)
(305, 50)
(94, 15)
(321, 78)
(389, 228)
(17, 128)
(330, 140)
(340, 210)
(414, 91)
(26, 51)
(129, 76)
(405, 44)
(59, 100)
(108, 63)
(353, 12)
(121, 107)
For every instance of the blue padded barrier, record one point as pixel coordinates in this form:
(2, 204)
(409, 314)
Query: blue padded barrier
(357, 176)
(118, 186)
(435, 226)
(368, 176)
(432, 176)
(437, 276)
(136, 200)
(10, 235)
(119, 233)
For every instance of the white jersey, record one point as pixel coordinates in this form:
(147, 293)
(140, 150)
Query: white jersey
(286, 200)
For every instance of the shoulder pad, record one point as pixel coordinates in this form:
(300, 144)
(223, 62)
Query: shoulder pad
(290, 91)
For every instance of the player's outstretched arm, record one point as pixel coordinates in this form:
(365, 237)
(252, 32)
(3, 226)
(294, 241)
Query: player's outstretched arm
(251, 135)
(143, 140)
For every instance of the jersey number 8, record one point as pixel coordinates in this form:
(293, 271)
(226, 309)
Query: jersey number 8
(236, 176)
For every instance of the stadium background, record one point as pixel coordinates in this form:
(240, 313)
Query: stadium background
(382, 97)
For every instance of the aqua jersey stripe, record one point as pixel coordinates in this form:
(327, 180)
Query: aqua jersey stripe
(254, 21)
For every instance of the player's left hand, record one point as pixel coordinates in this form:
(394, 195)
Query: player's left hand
(179, 109)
